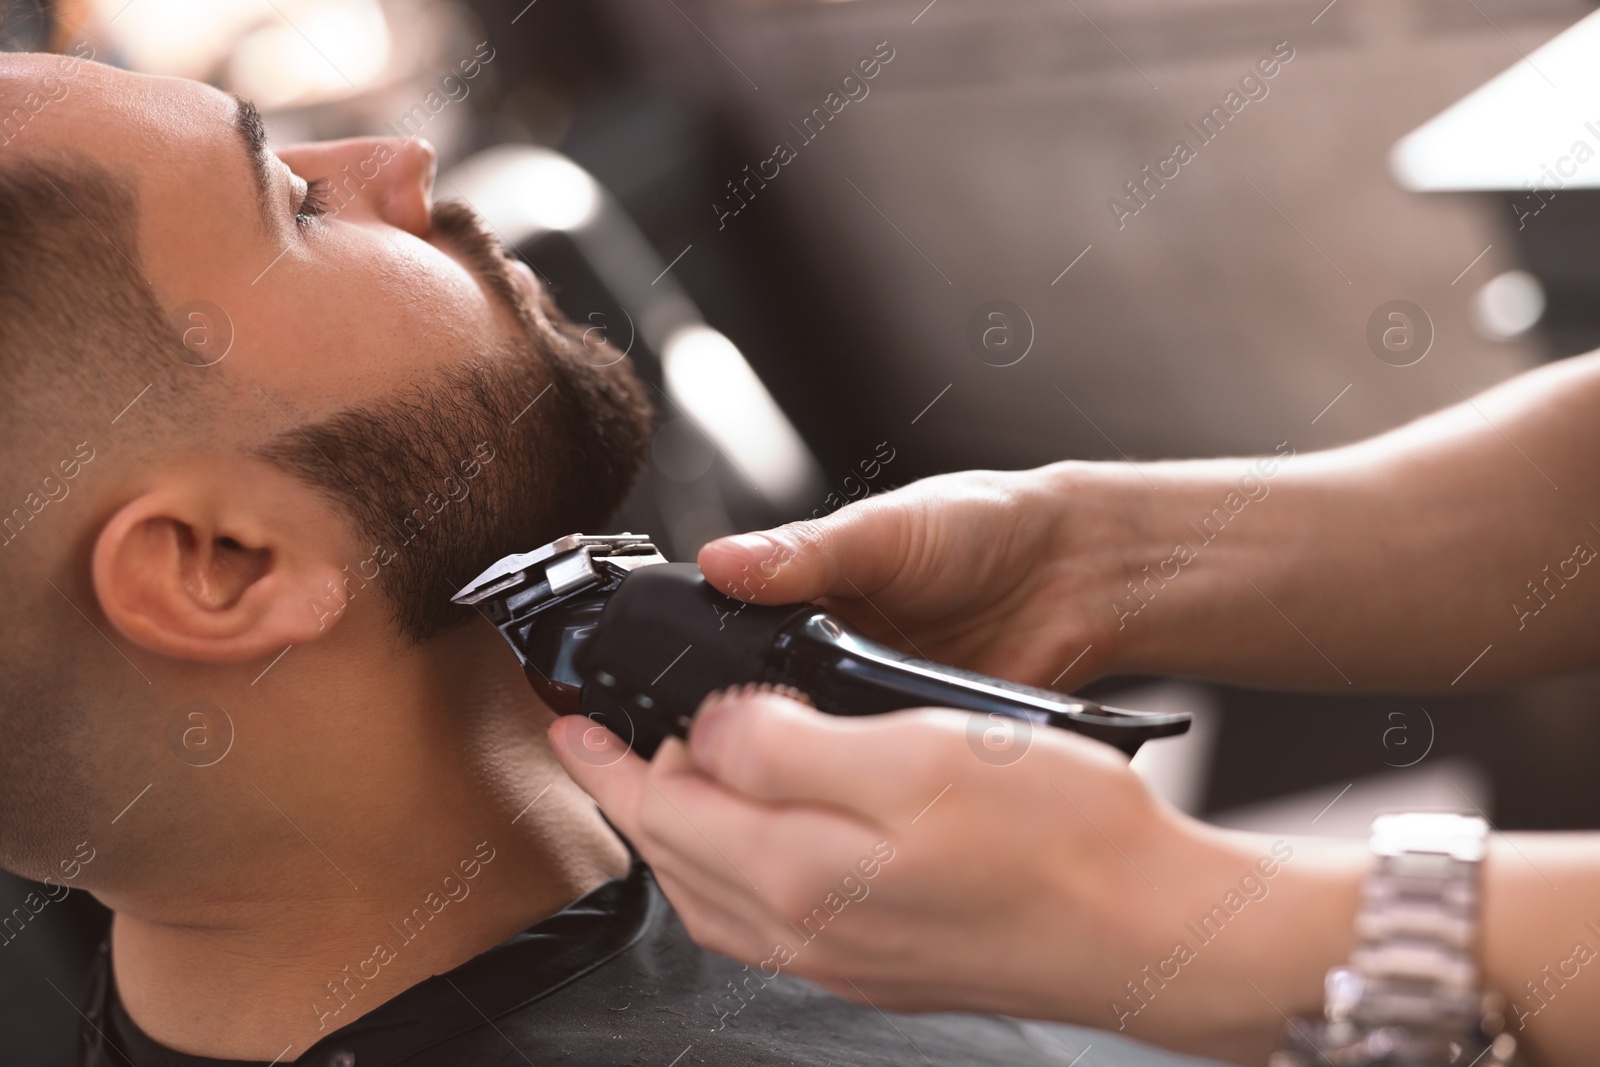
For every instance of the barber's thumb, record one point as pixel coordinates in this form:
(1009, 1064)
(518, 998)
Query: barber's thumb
(774, 749)
(854, 551)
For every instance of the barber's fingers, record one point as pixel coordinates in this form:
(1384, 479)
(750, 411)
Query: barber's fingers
(629, 791)
(776, 750)
(703, 875)
(666, 808)
(716, 920)
(707, 837)
(853, 552)
(694, 830)
(603, 766)
(737, 838)
(767, 864)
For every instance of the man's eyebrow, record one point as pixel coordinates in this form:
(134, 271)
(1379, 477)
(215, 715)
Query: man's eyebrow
(253, 135)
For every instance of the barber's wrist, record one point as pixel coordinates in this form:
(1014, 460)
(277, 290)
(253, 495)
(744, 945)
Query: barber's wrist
(1102, 517)
(1270, 958)
(1133, 598)
(1174, 566)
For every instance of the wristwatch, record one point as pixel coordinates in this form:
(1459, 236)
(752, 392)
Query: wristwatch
(1412, 994)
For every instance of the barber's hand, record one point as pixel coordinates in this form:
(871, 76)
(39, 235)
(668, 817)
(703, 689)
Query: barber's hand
(1008, 573)
(893, 861)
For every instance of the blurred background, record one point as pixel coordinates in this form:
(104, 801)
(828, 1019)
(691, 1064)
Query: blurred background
(855, 243)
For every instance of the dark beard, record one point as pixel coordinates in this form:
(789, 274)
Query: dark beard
(512, 447)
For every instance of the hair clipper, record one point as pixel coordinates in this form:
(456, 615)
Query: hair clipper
(606, 627)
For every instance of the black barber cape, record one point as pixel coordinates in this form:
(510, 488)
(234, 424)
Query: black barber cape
(615, 979)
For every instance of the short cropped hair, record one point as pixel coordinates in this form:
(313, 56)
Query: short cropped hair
(82, 330)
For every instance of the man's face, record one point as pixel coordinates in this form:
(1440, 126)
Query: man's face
(397, 407)
(380, 347)
(324, 311)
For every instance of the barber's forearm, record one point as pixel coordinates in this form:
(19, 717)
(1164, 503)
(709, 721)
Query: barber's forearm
(1391, 563)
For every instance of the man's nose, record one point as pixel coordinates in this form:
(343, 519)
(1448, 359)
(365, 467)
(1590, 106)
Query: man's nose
(407, 198)
(389, 178)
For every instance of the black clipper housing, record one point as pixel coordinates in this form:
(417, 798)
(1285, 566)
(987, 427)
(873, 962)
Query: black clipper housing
(606, 628)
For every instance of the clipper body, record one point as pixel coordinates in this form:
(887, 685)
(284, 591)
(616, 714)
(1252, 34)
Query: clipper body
(606, 628)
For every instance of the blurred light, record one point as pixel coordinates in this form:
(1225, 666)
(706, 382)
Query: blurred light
(335, 48)
(1508, 304)
(276, 51)
(181, 38)
(708, 376)
(1518, 128)
(524, 191)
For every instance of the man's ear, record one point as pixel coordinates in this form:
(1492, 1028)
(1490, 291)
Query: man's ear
(220, 566)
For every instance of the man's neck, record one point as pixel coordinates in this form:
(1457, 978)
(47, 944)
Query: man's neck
(338, 901)
(286, 972)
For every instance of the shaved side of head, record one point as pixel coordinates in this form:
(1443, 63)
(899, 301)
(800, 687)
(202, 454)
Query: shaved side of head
(81, 335)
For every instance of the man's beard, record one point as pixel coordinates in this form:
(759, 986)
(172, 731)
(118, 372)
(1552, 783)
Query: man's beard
(512, 447)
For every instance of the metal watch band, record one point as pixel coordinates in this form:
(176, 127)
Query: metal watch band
(1416, 932)
(1412, 993)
